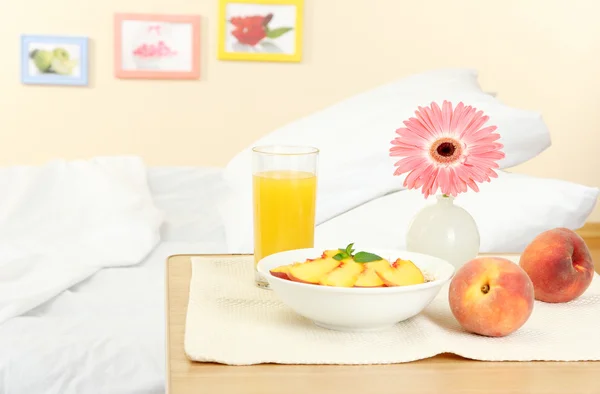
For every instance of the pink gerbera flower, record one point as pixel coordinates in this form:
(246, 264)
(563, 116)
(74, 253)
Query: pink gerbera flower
(446, 149)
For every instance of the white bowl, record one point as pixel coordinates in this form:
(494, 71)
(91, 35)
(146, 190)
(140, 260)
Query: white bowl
(357, 309)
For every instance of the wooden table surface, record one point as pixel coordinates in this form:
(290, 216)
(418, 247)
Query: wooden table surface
(444, 374)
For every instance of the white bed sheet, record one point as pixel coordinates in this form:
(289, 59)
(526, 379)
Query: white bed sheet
(106, 335)
(188, 196)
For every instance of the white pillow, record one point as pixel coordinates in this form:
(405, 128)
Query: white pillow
(354, 139)
(509, 211)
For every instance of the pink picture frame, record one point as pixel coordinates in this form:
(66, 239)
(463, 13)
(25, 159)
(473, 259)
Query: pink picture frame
(150, 46)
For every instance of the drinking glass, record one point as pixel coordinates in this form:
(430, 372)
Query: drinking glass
(284, 186)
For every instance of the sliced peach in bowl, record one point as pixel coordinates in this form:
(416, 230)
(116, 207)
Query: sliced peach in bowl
(312, 271)
(401, 273)
(354, 291)
(345, 275)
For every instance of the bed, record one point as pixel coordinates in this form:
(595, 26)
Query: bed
(105, 334)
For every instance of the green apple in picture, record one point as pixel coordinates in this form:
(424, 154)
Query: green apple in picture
(61, 54)
(57, 61)
(42, 59)
(63, 67)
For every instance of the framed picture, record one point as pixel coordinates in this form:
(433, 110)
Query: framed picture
(157, 46)
(54, 60)
(261, 30)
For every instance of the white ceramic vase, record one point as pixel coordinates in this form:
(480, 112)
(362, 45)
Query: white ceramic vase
(444, 230)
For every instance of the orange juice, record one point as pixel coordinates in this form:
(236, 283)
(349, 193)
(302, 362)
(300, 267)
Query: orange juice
(284, 211)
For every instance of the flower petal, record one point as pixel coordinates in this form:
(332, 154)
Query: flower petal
(415, 131)
(437, 118)
(435, 185)
(443, 180)
(424, 119)
(476, 122)
(481, 137)
(473, 185)
(464, 120)
(458, 110)
(408, 164)
(417, 176)
(403, 150)
(446, 116)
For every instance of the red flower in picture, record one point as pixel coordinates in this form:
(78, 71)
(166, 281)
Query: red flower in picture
(250, 30)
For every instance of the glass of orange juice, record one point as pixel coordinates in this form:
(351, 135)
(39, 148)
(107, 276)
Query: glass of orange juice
(284, 183)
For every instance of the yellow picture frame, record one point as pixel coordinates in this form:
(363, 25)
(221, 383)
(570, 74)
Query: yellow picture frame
(250, 42)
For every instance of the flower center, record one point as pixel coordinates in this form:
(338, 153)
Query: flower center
(446, 150)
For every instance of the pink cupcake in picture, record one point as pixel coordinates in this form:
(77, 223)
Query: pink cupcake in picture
(153, 49)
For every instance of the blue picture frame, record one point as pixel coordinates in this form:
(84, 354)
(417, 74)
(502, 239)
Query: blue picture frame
(52, 78)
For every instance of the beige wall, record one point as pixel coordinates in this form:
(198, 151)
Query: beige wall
(542, 55)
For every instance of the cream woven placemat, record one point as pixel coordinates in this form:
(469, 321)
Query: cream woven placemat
(231, 321)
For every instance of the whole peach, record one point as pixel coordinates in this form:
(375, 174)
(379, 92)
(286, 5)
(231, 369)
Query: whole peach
(491, 296)
(559, 264)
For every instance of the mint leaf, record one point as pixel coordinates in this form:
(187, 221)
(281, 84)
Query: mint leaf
(366, 257)
(278, 32)
(349, 249)
(340, 256)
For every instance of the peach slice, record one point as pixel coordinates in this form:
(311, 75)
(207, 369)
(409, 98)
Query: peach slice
(369, 277)
(402, 273)
(330, 253)
(282, 271)
(343, 276)
(312, 271)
